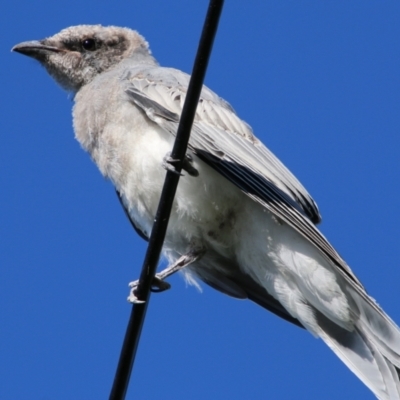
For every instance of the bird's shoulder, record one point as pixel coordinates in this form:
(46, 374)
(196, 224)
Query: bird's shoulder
(168, 88)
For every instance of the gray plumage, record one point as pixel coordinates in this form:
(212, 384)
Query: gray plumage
(247, 219)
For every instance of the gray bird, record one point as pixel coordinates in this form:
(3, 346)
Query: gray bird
(241, 222)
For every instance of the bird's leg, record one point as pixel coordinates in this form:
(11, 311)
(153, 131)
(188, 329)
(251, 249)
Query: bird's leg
(168, 164)
(158, 284)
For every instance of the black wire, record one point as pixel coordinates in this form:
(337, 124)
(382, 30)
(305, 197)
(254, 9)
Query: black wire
(135, 324)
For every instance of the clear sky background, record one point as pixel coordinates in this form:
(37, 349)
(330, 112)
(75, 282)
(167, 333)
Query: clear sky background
(318, 81)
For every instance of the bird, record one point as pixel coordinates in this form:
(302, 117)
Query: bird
(241, 222)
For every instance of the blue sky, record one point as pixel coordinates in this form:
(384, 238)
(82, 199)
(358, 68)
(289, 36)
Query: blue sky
(319, 83)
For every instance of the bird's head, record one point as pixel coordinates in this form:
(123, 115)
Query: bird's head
(74, 56)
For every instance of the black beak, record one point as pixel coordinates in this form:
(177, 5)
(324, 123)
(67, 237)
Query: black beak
(35, 49)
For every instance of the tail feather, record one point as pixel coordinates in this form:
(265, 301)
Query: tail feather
(378, 325)
(365, 354)
(371, 349)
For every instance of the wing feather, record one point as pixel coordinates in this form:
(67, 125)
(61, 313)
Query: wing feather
(228, 145)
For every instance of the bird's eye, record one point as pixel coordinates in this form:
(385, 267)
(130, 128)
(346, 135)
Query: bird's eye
(89, 44)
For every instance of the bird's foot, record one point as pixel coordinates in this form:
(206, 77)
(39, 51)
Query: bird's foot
(169, 164)
(159, 285)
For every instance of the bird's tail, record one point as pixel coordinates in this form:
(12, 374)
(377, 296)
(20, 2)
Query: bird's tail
(371, 350)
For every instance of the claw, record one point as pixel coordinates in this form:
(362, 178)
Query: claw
(133, 299)
(168, 164)
(188, 167)
(159, 285)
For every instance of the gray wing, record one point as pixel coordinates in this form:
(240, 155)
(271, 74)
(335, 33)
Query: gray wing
(228, 145)
(217, 130)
